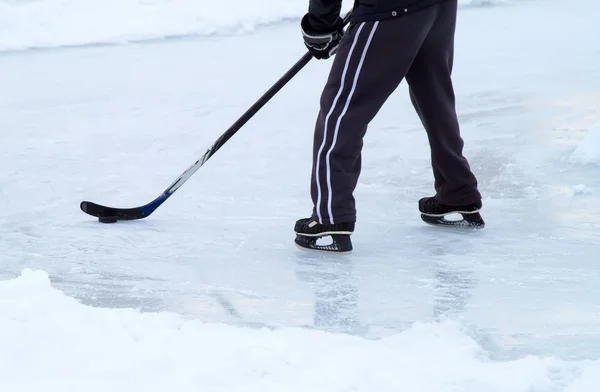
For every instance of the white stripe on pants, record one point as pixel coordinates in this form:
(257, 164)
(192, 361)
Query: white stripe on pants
(338, 122)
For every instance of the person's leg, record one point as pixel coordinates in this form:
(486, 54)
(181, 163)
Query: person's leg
(371, 61)
(432, 94)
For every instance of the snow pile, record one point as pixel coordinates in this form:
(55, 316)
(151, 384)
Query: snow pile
(588, 380)
(588, 150)
(54, 23)
(51, 342)
(50, 23)
(581, 189)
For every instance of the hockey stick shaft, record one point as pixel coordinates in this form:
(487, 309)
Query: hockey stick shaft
(115, 214)
(235, 127)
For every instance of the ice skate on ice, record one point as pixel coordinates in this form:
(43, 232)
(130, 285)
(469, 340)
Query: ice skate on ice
(308, 232)
(434, 213)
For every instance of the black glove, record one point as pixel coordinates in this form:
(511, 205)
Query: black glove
(321, 43)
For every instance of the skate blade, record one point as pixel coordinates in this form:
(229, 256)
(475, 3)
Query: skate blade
(471, 220)
(340, 244)
(463, 213)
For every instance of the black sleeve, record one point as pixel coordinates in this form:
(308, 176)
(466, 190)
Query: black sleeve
(323, 15)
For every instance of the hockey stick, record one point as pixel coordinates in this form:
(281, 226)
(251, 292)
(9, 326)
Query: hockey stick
(110, 214)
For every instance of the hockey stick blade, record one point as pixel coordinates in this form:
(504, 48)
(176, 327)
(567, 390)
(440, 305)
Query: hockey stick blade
(104, 212)
(118, 214)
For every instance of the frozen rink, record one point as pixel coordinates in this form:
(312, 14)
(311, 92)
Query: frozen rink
(210, 293)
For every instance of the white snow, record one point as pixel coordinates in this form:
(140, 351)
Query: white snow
(209, 293)
(588, 149)
(54, 23)
(51, 342)
(48, 23)
(580, 189)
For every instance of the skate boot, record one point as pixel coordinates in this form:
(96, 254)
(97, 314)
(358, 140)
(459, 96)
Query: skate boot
(308, 231)
(434, 213)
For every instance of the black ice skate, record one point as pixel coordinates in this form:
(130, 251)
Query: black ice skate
(308, 231)
(434, 213)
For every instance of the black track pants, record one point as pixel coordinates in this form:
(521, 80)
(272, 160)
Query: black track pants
(372, 60)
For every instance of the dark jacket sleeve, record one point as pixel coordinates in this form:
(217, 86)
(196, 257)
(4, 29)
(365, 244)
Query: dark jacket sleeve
(323, 15)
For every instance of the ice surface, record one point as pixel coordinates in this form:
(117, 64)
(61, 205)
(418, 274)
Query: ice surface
(222, 299)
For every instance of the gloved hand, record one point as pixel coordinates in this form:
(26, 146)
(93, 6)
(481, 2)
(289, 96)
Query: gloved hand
(321, 43)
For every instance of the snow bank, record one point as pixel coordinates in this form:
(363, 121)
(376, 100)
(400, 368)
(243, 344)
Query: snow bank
(51, 342)
(49, 23)
(588, 150)
(54, 23)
